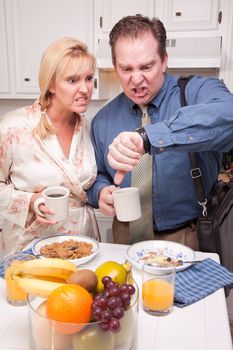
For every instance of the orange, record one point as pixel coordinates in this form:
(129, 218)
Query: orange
(157, 295)
(71, 304)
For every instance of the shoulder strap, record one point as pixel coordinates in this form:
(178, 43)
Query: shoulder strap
(182, 82)
(195, 170)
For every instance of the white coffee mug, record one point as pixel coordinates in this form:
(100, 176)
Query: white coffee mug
(127, 204)
(57, 199)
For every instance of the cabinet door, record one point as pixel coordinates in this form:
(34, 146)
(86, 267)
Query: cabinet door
(108, 12)
(4, 69)
(35, 24)
(188, 15)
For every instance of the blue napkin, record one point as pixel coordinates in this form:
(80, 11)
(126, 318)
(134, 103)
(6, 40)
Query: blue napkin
(2, 272)
(200, 280)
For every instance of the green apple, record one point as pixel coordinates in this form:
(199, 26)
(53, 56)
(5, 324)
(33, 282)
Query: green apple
(93, 338)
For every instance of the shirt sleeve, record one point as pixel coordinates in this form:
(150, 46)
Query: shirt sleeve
(103, 179)
(14, 204)
(205, 124)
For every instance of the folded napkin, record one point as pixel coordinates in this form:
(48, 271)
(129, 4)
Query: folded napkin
(2, 272)
(200, 280)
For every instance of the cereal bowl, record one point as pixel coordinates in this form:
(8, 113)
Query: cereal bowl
(75, 248)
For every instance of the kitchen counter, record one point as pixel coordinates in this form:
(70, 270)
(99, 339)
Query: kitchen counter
(200, 326)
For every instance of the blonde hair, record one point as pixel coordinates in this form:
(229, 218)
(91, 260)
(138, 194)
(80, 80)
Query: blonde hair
(53, 64)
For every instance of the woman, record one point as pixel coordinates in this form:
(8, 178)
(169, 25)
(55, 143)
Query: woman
(48, 144)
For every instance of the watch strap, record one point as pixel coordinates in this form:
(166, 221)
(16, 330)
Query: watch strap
(146, 141)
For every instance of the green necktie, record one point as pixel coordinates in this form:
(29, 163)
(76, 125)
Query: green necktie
(142, 229)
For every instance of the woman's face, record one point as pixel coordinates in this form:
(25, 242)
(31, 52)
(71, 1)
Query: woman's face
(72, 92)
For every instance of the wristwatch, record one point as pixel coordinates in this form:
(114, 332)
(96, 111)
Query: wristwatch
(146, 141)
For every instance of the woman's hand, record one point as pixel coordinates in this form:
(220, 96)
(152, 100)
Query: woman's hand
(106, 205)
(45, 210)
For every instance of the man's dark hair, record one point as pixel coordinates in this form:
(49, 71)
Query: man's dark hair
(134, 27)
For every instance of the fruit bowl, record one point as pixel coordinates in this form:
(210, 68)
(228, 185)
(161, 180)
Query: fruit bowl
(47, 334)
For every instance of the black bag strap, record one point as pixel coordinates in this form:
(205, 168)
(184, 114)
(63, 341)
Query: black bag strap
(195, 170)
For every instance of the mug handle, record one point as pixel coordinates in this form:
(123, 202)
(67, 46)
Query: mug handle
(36, 205)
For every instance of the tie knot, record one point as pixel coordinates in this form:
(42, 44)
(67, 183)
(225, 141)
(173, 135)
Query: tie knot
(145, 116)
(144, 109)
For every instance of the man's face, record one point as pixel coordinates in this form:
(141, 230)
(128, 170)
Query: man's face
(139, 67)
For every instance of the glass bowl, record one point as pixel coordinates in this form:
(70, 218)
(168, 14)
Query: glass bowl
(46, 334)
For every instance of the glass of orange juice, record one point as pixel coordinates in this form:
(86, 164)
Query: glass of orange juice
(158, 287)
(14, 294)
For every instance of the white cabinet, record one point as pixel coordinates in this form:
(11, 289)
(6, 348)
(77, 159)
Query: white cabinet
(199, 19)
(4, 68)
(108, 12)
(35, 24)
(189, 15)
(27, 27)
(31, 26)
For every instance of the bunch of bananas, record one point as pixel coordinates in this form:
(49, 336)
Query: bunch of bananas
(41, 276)
(128, 267)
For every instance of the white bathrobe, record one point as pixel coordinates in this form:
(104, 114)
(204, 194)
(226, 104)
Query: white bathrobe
(29, 164)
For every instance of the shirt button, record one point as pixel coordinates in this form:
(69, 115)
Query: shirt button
(190, 138)
(160, 141)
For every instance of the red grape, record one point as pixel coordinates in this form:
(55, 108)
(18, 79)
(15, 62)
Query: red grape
(112, 303)
(118, 312)
(106, 279)
(109, 306)
(114, 325)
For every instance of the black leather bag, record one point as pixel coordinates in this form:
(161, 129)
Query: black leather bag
(215, 224)
(215, 229)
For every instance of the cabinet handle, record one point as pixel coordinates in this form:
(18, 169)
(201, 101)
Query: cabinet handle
(178, 14)
(95, 84)
(220, 17)
(26, 79)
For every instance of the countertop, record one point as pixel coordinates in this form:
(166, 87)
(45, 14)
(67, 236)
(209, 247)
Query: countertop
(200, 326)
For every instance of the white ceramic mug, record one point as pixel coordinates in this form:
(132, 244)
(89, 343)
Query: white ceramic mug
(127, 204)
(57, 199)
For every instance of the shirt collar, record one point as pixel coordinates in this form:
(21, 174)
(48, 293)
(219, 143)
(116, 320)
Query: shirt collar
(157, 100)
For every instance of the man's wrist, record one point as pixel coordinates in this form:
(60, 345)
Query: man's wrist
(146, 141)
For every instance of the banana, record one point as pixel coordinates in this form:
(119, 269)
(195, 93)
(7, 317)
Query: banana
(52, 267)
(128, 267)
(36, 286)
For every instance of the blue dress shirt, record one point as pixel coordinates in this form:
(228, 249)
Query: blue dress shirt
(205, 126)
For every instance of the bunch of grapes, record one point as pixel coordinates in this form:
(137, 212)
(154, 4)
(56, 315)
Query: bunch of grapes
(110, 305)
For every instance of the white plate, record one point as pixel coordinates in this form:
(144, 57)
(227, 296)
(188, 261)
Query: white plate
(39, 243)
(140, 250)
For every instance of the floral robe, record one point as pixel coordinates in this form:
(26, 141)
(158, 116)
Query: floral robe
(29, 164)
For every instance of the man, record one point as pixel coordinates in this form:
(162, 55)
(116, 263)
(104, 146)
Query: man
(205, 126)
